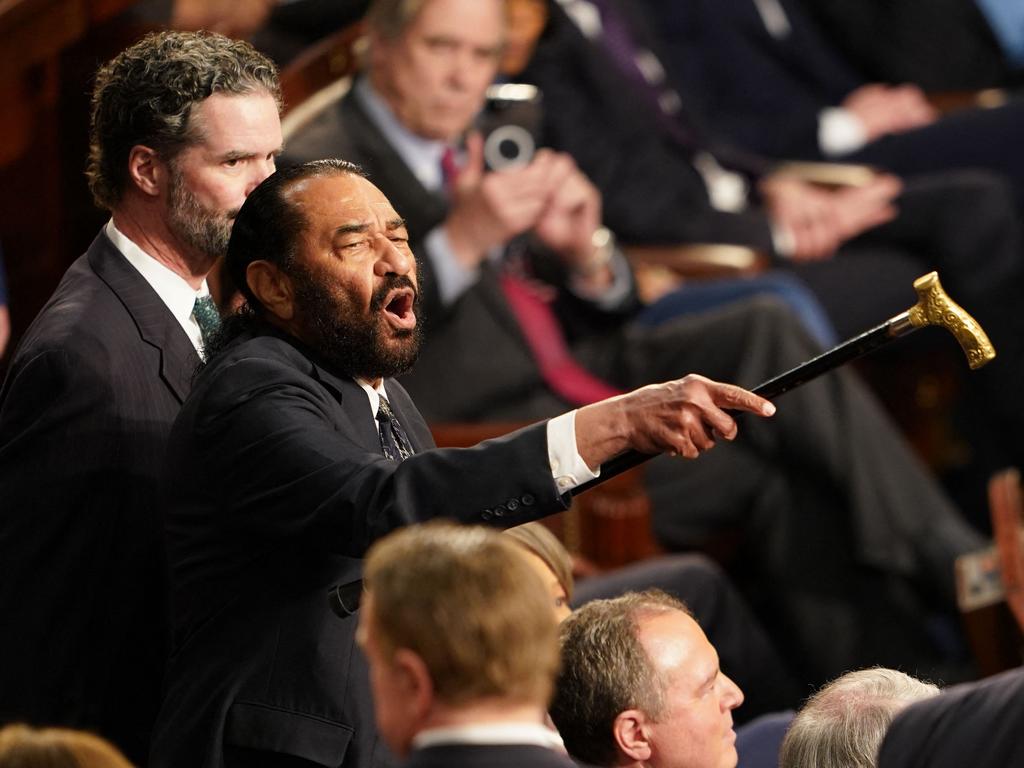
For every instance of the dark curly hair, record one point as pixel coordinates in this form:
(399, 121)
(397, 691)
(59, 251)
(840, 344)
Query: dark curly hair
(145, 95)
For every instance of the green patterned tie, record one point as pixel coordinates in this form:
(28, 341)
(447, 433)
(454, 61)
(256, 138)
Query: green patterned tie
(207, 317)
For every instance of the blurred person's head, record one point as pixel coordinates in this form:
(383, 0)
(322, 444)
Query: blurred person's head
(22, 746)
(318, 251)
(641, 685)
(432, 60)
(843, 724)
(457, 628)
(550, 560)
(525, 21)
(184, 126)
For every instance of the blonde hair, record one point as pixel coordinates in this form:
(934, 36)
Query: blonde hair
(22, 746)
(536, 538)
(470, 606)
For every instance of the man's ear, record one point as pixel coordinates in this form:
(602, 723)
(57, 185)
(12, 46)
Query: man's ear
(272, 288)
(416, 680)
(146, 171)
(632, 735)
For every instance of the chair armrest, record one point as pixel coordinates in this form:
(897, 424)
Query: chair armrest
(699, 260)
(946, 102)
(826, 174)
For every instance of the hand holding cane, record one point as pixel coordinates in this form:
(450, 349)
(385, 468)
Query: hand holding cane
(934, 307)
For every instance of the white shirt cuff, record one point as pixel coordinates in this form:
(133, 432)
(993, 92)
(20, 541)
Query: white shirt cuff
(782, 240)
(568, 469)
(452, 279)
(840, 132)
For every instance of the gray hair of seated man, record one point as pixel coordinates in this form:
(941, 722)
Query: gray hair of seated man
(843, 724)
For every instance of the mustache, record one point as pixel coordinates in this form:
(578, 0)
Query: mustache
(390, 283)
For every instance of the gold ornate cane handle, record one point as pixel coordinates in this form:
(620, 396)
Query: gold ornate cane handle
(934, 307)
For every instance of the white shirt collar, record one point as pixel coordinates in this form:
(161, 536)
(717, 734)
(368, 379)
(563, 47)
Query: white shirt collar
(491, 733)
(172, 288)
(374, 394)
(422, 156)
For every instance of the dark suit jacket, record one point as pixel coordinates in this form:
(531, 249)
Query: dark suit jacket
(946, 45)
(501, 379)
(761, 92)
(652, 193)
(84, 416)
(276, 486)
(487, 756)
(765, 93)
(974, 724)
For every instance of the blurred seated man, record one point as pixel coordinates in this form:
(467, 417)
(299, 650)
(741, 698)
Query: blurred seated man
(463, 649)
(974, 724)
(822, 499)
(641, 686)
(843, 724)
(765, 78)
(297, 449)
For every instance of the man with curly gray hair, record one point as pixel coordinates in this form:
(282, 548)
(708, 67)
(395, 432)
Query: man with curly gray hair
(184, 126)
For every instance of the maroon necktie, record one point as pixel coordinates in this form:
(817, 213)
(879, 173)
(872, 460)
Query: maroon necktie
(536, 319)
(560, 370)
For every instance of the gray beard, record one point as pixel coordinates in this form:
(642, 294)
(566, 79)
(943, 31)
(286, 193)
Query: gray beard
(202, 229)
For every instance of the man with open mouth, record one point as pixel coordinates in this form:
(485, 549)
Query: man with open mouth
(297, 450)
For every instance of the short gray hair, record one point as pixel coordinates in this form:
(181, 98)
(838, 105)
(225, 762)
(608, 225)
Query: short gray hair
(146, 93)
(390, 18)
(843, 724)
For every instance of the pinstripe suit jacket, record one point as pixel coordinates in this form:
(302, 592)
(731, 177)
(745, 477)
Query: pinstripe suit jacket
(84, 417)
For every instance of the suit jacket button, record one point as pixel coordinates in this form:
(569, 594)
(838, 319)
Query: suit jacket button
(513, 505)
(487, 514)
(499, 511)
(527, 499)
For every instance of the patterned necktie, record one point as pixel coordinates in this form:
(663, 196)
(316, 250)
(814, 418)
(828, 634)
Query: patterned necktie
(393, 440)
(207, 317)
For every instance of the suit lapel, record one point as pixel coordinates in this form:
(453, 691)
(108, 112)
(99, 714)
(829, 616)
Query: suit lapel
(156, 325)
(409, 416)
(355, 404)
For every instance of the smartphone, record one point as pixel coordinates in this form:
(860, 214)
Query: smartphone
(510, 124)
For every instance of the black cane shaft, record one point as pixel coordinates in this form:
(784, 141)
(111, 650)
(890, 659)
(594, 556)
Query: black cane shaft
(826, 361)
(803, 373)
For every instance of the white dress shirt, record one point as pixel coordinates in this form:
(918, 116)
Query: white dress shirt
(172, 288)
(568, 469)
(491, 733)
